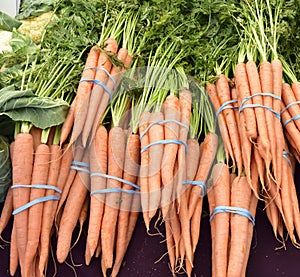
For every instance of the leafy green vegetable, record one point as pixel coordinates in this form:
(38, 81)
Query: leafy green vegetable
(30, 8)
(42, 112)
(7, 23)
(5, 167)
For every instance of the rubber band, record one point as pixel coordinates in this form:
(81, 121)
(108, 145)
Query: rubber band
(111, 190)
(226, 105)
(37, 186)
(289, 105)
(285, 155)
(197, 183)
(260, 94)
(259, 106)
(234, 210)
(80, 163)
(167, 141)
(34, 202)
(79, 169)
(115, 178)
(107, 73)
(162, 122)
(291, 119)
(100, 84)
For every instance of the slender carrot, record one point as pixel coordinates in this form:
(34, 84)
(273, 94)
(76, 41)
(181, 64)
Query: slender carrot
(71, 212)
(47, 218)
(39, 176)
(212, 92)
(111, 47)
(116, 156)
(221, 187)
(22, 165)
(98, 163)
(260, 167)
(223, 92)
(36, 136)
(210, 147)
(240, 197)
(144, 169)
(13, 255)
(243, 88)
(68, 123)
(83, 92)
(170, 246)
(156, 153)
(6, 210)
(132, 159)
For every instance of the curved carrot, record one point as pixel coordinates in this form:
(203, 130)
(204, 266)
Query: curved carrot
(68, 123)
(22, 165)
(6, 210)
(98, 163)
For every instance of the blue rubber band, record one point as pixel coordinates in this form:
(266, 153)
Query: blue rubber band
(260, 94)
(234, 210)
(79, 169)
(167, 141)
(289, 105)
(285, 154)
(259, 106)
(115, 178)
(80, 163)
(162, 122)
(34, 202)
(197, 183)
(111, 190)
(37, 186)
(107, 73)
(100, 84)
(289, 120)
(226, 105)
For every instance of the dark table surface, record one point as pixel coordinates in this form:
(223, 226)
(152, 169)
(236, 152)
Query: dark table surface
(144, 250)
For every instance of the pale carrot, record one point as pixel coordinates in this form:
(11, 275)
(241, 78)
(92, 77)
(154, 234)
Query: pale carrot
(22, 165)
(13, 254)
(6, 210)
(98, 163)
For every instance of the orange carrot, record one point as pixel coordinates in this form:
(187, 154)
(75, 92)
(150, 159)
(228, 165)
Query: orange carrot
(71, 212)
(116, 156)
(132, 160)
(98, 163)
(156, 152)
(144, 170)
(36, 136)
(240, 197)
(212, 92)
(83, 92)
(13, 255)
(210, 147)
(221, 187)
(68, 123)
(47, 219)
(223, 92)
(39, 176)
(170, 246)
(22, 165)
(243, 88)
(6, 210)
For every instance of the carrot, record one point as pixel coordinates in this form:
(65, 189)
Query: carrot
(116, 156)
(206, 161)
(83, 216)
(260, 167)
(68, 123)
(36, 136)
(71, 212)
(98, 163)
(39, 176)
(156, 153)
(240, 197)
(83, 92)
(221, 187)
(266, 79)
(170, 246)
(13, 255)
(132, 160)
(144, 169)
(6, 210)
(255, 88)
(243, 88)
(223, 92)
(288, 98)
(22, 165)
(277, 90)
(104, 96)
(212, 92)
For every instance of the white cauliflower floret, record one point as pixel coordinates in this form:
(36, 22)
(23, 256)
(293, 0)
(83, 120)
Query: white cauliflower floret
(34, 27)
(5, 38)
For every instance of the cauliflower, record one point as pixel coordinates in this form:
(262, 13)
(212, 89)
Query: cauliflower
(34, 27)
(5, 38)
